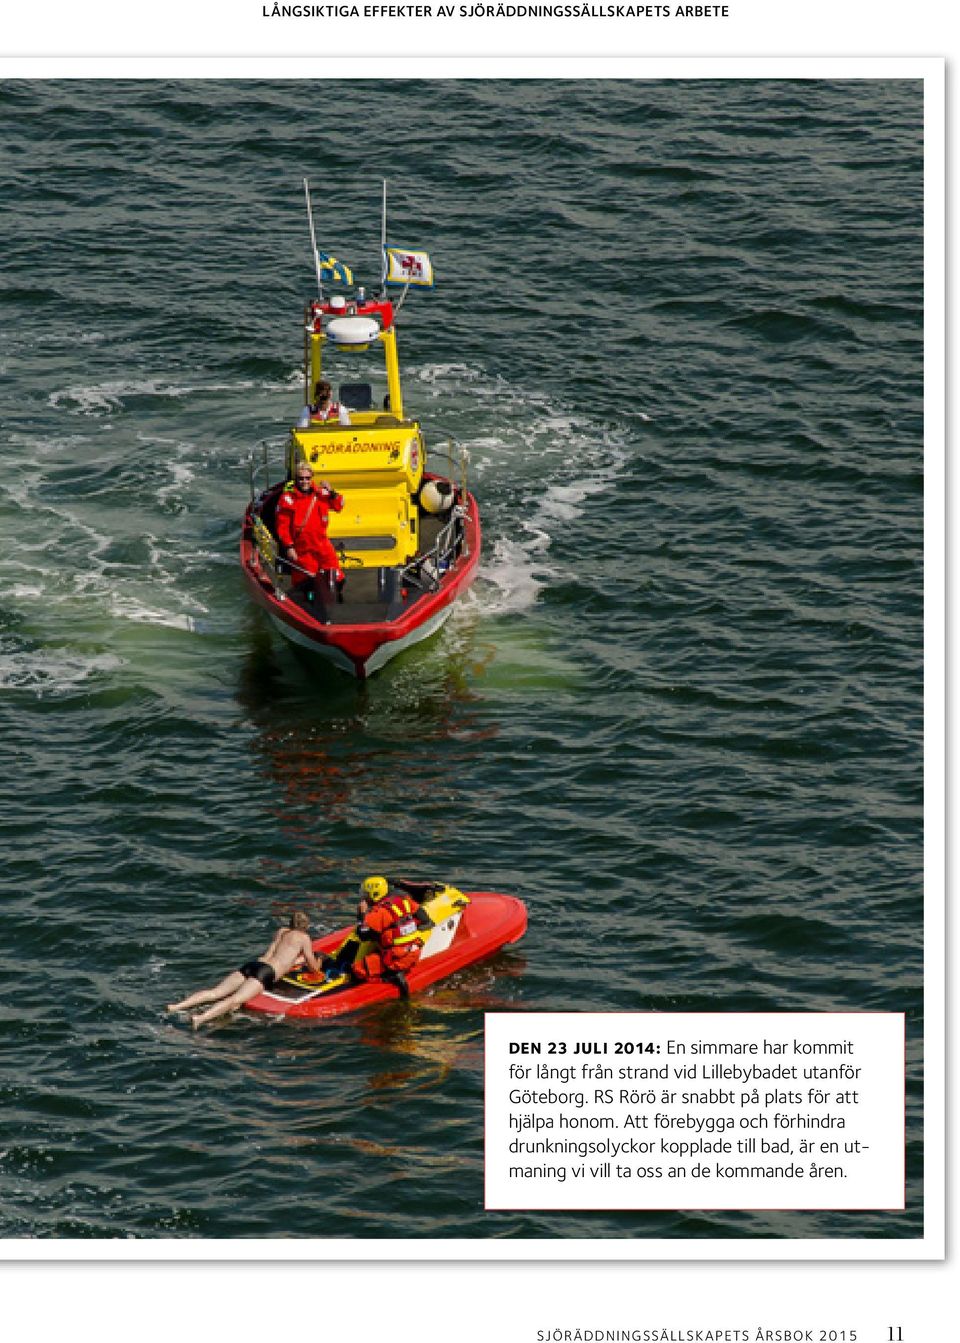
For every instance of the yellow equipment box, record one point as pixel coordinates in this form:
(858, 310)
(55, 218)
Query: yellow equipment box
(377, 467)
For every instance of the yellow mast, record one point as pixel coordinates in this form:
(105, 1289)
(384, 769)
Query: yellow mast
(389, 339)
(316, 361)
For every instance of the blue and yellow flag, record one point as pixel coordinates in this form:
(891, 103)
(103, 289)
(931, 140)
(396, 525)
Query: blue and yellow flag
(404, 267)
(332, 269)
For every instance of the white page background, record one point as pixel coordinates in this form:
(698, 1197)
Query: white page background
(432, 1298)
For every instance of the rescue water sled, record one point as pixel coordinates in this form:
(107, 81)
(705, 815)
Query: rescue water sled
(408, 538)
(460, 928)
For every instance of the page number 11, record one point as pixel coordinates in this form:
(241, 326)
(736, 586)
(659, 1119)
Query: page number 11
(894, 1334)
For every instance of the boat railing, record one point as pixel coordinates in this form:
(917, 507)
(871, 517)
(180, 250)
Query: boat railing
(426, 571)
(259, 462)
(457, 457)
(278, 570)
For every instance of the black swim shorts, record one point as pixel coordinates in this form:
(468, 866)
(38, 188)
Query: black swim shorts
(259, 970)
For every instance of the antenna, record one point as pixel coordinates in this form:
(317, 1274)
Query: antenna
(313, 239)
(383, 243)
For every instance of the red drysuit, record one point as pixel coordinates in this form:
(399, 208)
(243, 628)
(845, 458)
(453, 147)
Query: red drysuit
(302, 524)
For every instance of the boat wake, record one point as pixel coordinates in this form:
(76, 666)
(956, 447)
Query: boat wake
(106, 398)
(536, 479)
(134, 564)
(51, 672)
(536, 476)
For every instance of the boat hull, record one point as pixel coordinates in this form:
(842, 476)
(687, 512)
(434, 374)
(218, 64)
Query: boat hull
(490, 921)
(361, 649)
(341, 654)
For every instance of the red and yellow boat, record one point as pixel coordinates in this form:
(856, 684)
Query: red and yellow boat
(408, 537)
(459, 929)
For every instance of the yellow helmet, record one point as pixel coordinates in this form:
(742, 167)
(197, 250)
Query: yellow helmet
(374, 888)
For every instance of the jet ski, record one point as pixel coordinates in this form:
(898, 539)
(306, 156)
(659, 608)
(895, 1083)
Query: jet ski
(459, 928)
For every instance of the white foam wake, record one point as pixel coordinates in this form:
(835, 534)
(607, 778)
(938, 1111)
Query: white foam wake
(52, 671)
(105, 398)
(124, 606)
(537, 475)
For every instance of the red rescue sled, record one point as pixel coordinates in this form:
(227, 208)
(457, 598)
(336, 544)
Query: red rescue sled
(467, 927)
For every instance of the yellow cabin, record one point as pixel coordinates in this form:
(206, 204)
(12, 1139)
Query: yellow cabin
(376, 460)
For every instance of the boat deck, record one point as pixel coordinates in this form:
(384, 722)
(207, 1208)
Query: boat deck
(362, 603)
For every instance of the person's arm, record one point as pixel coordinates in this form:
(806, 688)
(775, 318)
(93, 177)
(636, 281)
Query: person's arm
(373, 923)
(331, 497)
(285, 529)
(311, 960)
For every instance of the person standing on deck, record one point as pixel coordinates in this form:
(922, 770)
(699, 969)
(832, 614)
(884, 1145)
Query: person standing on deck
(302, 515)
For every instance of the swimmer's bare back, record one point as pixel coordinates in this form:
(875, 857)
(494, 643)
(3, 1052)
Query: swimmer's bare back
(287, 948)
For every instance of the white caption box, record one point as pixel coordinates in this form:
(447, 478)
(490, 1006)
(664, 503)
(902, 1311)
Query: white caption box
(665, 1110)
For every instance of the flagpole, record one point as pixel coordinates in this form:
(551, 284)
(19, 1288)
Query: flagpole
(313, 240)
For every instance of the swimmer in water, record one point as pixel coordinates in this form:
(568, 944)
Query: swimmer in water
(290, 946)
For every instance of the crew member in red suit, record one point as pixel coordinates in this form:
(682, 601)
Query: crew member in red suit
(302, 527)
(389, 921)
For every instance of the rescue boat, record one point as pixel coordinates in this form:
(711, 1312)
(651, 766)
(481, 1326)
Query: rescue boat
(459, 928)
(408, 535)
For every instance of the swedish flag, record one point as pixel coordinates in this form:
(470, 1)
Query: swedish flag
(332, 269)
